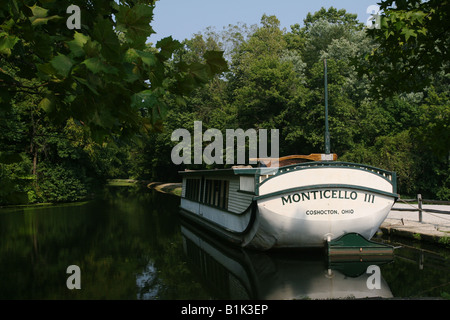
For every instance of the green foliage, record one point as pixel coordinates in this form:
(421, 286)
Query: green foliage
(434, 122)
(413, 45)
(62, 184)
(100, 102)
(446, 242)
(80, 73)
(276, 81)
(69, 96)
(333, 16)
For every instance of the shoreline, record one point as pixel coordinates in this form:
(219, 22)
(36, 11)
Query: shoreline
(109, 183)
(173, 188)
(43, 205)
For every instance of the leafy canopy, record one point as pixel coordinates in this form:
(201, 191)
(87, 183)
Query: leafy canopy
(104, 75)
(413, 45)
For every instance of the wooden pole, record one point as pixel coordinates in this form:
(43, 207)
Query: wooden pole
(419, 203)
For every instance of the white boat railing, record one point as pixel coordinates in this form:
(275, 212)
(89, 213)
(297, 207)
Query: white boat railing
(388, 175)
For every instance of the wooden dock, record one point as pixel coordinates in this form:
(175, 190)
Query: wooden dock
(423, 220)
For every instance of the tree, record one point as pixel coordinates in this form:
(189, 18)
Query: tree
(337, 36)
(103, 77)
(265, 83)
(324, 27)
(100, 75)
(333, 16)
(413, 45)
(412, 55)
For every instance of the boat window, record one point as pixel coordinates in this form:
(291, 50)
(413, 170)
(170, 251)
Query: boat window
(192, 189)
(247, 183)
(216, 193)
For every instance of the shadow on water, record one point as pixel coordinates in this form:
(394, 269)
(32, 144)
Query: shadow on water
(130, 244)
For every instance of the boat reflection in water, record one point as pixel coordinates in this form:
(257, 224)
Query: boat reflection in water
(232, 272)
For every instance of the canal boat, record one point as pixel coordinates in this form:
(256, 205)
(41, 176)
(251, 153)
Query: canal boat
(298, 205)
(290, 202)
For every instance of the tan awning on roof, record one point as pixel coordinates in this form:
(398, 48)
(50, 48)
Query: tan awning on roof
(293, 159)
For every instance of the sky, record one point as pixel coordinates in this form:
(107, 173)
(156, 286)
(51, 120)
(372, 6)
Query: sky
(183, 18)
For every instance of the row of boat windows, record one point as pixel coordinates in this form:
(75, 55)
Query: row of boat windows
(207, 191)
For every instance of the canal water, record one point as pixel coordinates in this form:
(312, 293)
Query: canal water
(130, 244)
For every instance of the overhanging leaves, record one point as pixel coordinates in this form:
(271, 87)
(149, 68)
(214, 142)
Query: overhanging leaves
(104, 34)
(134, 22)
(40, 16)
(7, 42)
(62, 64)
(414, 44)
(76, 45)
(216, 62)
(149, 103)
(167, 47)
(96, 65)
(82, 73)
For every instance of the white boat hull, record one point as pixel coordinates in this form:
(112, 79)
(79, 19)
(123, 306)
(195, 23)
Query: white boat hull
(311, 223)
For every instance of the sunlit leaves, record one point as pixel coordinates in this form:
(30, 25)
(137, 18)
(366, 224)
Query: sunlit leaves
(96, 65)
(408, 33)
(40, 16)
(7, 42)
(148, 58)
(76, 45)
(47, 104)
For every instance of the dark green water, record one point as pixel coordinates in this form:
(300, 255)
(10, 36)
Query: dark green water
(129, 244)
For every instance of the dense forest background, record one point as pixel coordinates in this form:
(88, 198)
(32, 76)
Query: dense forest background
(80, 107)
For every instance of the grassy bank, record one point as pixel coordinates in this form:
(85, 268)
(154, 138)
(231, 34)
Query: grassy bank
(126, 182)
(171, 188)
